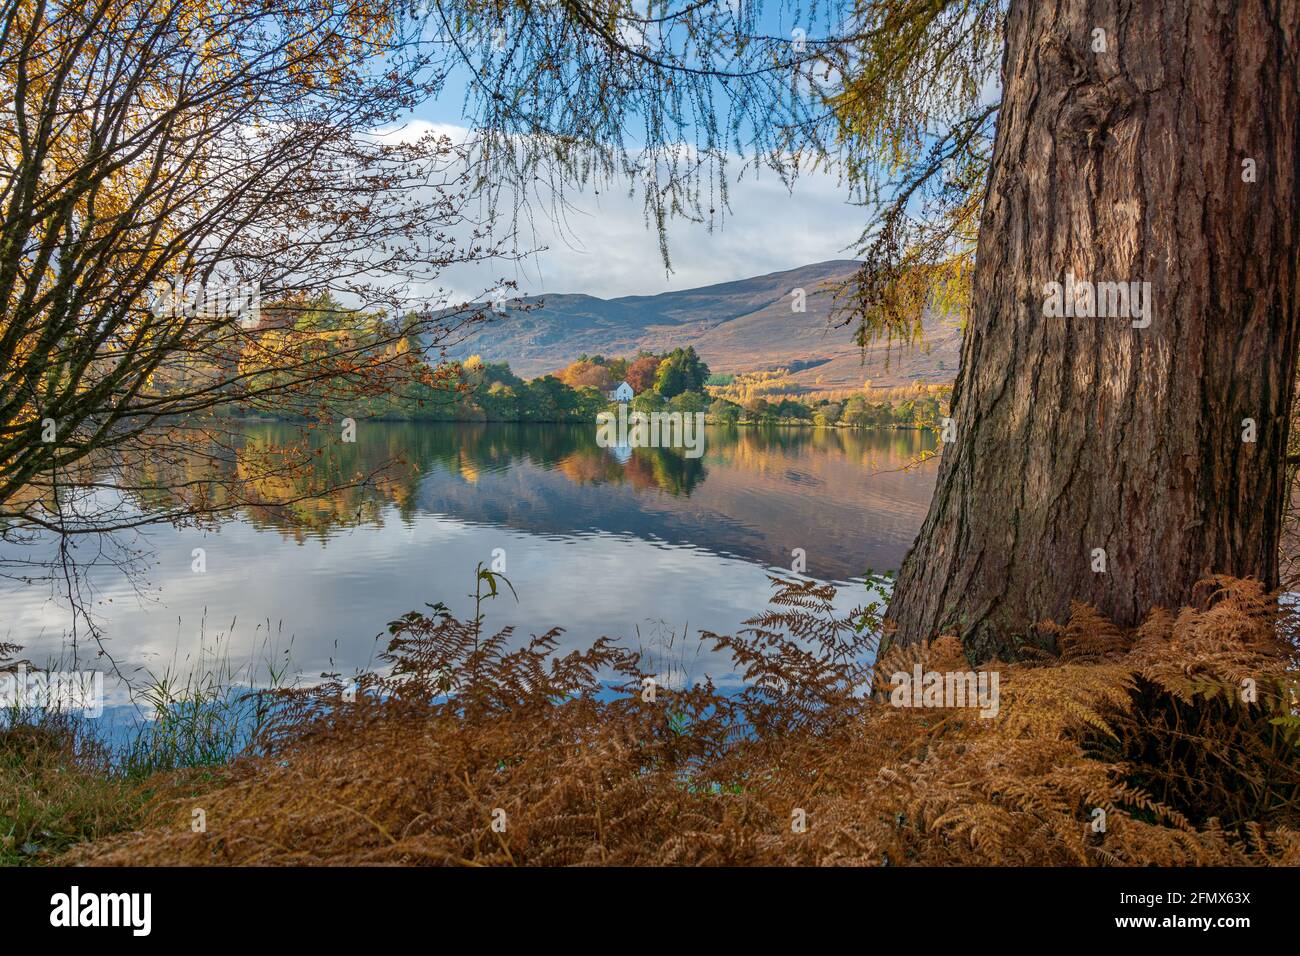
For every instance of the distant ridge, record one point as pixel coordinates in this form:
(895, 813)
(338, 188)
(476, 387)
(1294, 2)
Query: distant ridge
(740, 326)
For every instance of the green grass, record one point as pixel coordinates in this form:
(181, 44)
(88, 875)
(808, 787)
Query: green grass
(62, 782)
(57, 789)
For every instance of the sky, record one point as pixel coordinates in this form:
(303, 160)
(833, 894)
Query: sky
(605, 248)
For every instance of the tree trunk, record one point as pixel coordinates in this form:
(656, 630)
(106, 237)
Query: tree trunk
(1076, 433)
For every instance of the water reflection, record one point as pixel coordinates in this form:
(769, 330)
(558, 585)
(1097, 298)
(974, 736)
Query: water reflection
(598, 542)
(844, 496)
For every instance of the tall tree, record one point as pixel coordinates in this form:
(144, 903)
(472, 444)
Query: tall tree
(1116, 459)
(680, 371)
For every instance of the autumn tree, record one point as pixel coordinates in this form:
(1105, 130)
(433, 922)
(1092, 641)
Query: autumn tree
(641, 372)
(180, 183)
(680, 371)
(617, 369)
(586, 374)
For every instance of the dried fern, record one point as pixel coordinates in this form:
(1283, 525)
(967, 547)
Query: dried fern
(1145, 730)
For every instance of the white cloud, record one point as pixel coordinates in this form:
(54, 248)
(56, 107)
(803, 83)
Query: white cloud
(613, 252)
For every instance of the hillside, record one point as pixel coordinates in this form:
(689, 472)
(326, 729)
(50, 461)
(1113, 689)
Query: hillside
(740, 326)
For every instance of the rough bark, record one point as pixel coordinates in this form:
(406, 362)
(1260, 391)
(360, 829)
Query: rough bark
(1073, 434)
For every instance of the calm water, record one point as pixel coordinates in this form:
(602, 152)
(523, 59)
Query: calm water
(637, 544)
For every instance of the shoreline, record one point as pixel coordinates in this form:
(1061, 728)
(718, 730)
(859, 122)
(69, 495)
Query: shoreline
(257, 419)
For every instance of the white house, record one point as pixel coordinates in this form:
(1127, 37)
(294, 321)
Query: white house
(623, 393)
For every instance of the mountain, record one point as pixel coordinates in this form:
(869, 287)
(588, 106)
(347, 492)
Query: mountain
(742, 326)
